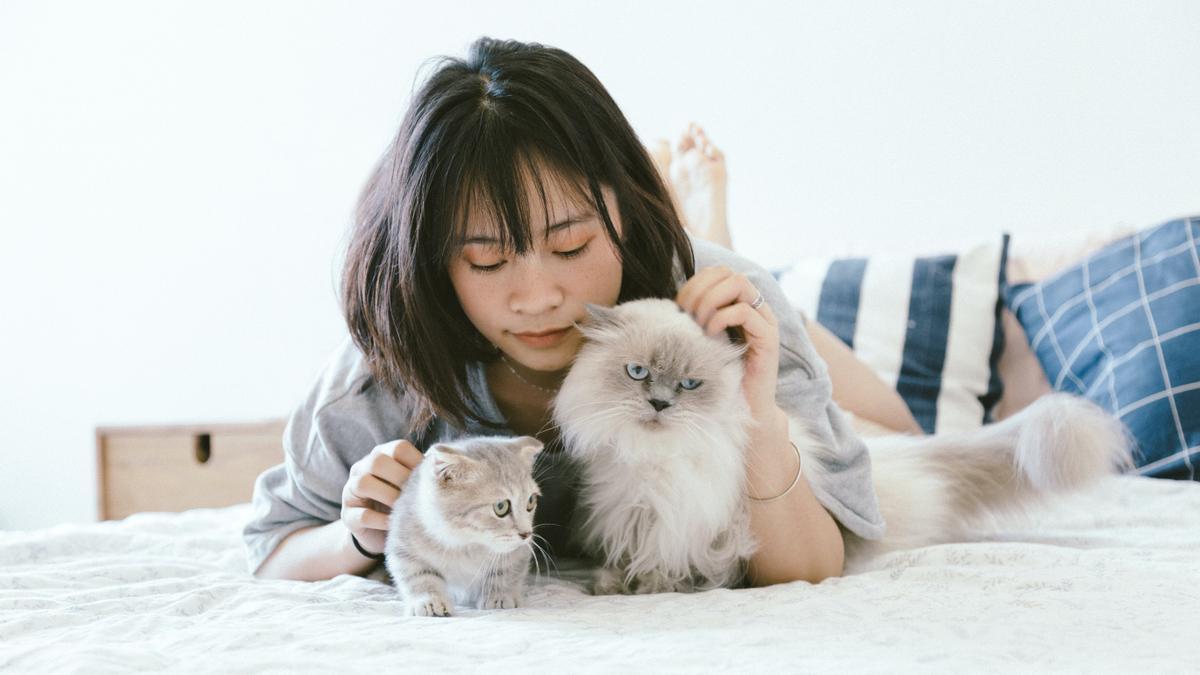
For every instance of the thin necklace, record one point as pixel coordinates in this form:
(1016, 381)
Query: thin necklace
(514, 372)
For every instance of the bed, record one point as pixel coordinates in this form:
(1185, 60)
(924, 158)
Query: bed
(1103, 580)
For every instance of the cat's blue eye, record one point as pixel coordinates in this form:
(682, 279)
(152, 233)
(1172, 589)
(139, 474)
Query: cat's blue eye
(636, 372)
(501, 507)
(532, 503)
(690, 384)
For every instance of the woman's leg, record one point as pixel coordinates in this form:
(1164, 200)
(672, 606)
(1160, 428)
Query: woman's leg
(695, 171)
(857, 388)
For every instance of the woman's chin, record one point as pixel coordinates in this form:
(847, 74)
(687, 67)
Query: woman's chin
(545, 360)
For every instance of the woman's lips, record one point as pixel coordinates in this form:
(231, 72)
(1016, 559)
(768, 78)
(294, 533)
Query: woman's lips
(543, 339)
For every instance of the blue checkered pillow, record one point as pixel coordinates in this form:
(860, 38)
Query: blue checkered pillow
(1123, 329)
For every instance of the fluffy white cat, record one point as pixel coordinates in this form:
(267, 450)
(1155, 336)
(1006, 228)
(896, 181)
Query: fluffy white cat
(653, 411)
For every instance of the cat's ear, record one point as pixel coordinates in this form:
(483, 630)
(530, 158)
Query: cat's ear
(733, 352)
(528, 446)
(448, 463)
(599, 318)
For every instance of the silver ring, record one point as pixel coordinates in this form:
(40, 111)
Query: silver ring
(758, 302)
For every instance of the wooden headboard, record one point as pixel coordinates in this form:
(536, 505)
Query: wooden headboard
(175, 468)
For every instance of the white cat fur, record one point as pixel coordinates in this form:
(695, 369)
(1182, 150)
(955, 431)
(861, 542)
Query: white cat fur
(665, 505)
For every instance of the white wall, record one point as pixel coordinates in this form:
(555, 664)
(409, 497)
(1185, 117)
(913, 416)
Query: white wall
(175, 179)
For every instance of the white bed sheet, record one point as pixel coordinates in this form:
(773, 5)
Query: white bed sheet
(1107, 580)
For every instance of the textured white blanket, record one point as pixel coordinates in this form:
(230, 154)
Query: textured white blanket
(1103, 581)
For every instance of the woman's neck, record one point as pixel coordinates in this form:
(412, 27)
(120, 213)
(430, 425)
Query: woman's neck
(523, 400)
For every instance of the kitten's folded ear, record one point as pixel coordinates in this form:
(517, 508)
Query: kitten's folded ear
(448, 463)
(599, 317)
(528, 446)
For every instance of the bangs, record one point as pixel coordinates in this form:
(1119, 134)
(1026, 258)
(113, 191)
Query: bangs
(493, 199)
(484, 138)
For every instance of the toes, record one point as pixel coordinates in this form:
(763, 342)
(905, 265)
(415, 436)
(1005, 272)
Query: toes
(686, 140)
(706, 146)
(695, 138)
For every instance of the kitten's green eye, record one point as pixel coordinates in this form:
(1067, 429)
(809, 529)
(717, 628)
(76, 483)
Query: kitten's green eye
(501, 507)
(636, 372)
(690, 384)
(532, 503)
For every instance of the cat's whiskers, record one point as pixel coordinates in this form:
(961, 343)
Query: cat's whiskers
(687, 419)
(485, 569)
(616, 413)
(621, 408)
(545, 552)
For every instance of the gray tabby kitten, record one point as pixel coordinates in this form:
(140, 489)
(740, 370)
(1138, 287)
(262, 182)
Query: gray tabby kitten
(653, 409)
(461, 531)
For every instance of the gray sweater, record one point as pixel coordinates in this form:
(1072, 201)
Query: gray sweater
(346, 414)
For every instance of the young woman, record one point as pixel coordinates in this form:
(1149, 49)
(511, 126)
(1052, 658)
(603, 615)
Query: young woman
(514, 194)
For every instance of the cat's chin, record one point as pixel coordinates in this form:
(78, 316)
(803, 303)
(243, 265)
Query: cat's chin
(505, 545)
(656, 424)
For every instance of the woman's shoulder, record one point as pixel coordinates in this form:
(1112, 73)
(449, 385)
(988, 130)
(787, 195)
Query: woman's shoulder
(709, 254)
(344, 401)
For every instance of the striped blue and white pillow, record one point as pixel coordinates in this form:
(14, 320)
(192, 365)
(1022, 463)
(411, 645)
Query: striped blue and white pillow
(930, 326)
(1122, 328)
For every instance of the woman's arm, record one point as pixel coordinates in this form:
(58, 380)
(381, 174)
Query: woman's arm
(856, 388)
(798, 539)
(313, 554)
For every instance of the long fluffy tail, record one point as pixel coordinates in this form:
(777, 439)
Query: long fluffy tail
(933, 489)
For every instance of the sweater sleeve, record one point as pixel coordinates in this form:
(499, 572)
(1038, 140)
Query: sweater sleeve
(337, 424)
(842, 481)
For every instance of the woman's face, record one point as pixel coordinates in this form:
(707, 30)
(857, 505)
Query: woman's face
(515, 300)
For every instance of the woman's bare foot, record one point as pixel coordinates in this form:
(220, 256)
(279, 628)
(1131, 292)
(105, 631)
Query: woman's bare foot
(695, 171)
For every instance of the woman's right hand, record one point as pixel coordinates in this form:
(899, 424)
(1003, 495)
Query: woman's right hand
(374, 484)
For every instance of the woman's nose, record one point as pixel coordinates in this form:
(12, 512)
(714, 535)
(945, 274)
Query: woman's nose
(535, 290)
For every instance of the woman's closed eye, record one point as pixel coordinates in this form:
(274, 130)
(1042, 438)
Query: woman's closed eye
(575, 252)
(566, 255)
(487, 268)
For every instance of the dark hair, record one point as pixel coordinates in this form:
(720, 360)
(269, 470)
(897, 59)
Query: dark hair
(475, 130)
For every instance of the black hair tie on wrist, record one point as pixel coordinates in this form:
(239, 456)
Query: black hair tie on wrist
(365, 552)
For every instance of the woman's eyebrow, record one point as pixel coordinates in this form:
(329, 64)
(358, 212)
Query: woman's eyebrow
(549, 231)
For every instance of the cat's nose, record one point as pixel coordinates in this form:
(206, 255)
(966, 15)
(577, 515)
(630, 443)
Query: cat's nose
(524, 535)
(659, 404)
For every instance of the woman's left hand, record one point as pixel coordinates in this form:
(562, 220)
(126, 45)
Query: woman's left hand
(719, 298)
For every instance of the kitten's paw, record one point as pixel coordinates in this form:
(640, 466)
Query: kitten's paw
(608, 581)
(430, 604)
(501, 601)
(656, 583)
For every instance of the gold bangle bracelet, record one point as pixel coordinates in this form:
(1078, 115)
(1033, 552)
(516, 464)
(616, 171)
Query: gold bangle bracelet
(783, 494)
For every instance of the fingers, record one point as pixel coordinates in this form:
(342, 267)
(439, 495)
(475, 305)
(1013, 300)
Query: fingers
(402, 451)
(695, 288)
(730, 290)
(358, 518)
(375, 482)
(371, 487)
(755, 325)
(714, 288)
